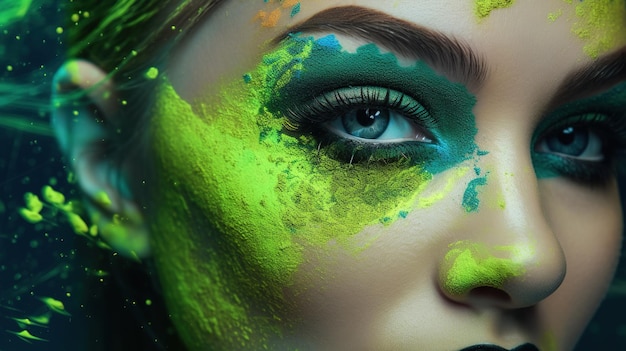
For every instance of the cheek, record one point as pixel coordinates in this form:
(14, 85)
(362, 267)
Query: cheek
(588, 224)
(268, 194)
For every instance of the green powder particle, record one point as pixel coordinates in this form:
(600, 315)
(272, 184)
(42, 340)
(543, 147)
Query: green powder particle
(30, 216)
(152, 73)
(77, 223)
(553, 16)
(470, 265)
(601, 24)
(102, 198)
(483, 8)
(32, 202)
(470, 197)
(52, 196)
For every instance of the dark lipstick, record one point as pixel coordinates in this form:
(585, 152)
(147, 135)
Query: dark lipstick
(485, 347)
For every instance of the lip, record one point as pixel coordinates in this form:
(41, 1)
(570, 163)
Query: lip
(488, 347)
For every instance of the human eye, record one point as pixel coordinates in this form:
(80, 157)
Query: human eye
(585, 148)
(364, 123)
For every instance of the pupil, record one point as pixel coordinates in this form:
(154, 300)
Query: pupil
(367, 117)
(567, 136)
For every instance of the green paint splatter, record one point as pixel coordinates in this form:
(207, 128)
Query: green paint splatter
(553, 16)
(601, 24)
(457, 174)
(483, 8)
(470, 265)
(470, 197)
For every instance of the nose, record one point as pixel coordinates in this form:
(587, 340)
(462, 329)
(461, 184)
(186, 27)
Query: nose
(504, 253)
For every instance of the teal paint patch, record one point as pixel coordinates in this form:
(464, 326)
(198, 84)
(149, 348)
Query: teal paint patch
(327, 68)
(470, 197)
(295, 9)
(329, 41)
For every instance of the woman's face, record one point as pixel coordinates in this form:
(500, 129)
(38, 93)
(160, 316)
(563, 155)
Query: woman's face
(398, 175)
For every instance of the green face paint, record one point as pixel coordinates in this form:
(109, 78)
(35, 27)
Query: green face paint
(241, 200)
(483, 8)
(469, 265)
(470, 197)
(601, 24)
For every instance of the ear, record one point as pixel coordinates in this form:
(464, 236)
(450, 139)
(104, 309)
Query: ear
(84, 108)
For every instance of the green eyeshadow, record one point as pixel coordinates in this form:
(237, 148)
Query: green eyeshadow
(321, 66)
(605, 112)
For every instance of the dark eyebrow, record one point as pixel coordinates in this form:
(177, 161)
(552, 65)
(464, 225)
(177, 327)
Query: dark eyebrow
(594, 77)
(448, 55)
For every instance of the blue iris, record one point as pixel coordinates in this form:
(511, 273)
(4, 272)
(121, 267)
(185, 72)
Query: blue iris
(366, 123)
(569, 141)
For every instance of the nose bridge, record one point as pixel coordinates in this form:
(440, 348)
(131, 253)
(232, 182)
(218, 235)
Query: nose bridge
(507, 243)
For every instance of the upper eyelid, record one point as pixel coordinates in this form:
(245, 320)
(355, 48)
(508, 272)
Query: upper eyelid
(368, 95)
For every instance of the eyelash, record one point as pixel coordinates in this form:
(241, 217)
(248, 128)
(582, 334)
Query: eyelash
(311, 116)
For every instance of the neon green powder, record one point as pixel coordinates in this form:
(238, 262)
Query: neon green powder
(601, 24)
(483, 8)
(152, 73)
(239, 201)
(472, 264)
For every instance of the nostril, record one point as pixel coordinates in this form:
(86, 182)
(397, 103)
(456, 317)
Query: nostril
(488, 295)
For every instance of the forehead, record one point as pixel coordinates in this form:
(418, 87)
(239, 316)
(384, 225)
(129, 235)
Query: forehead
(560, 34)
